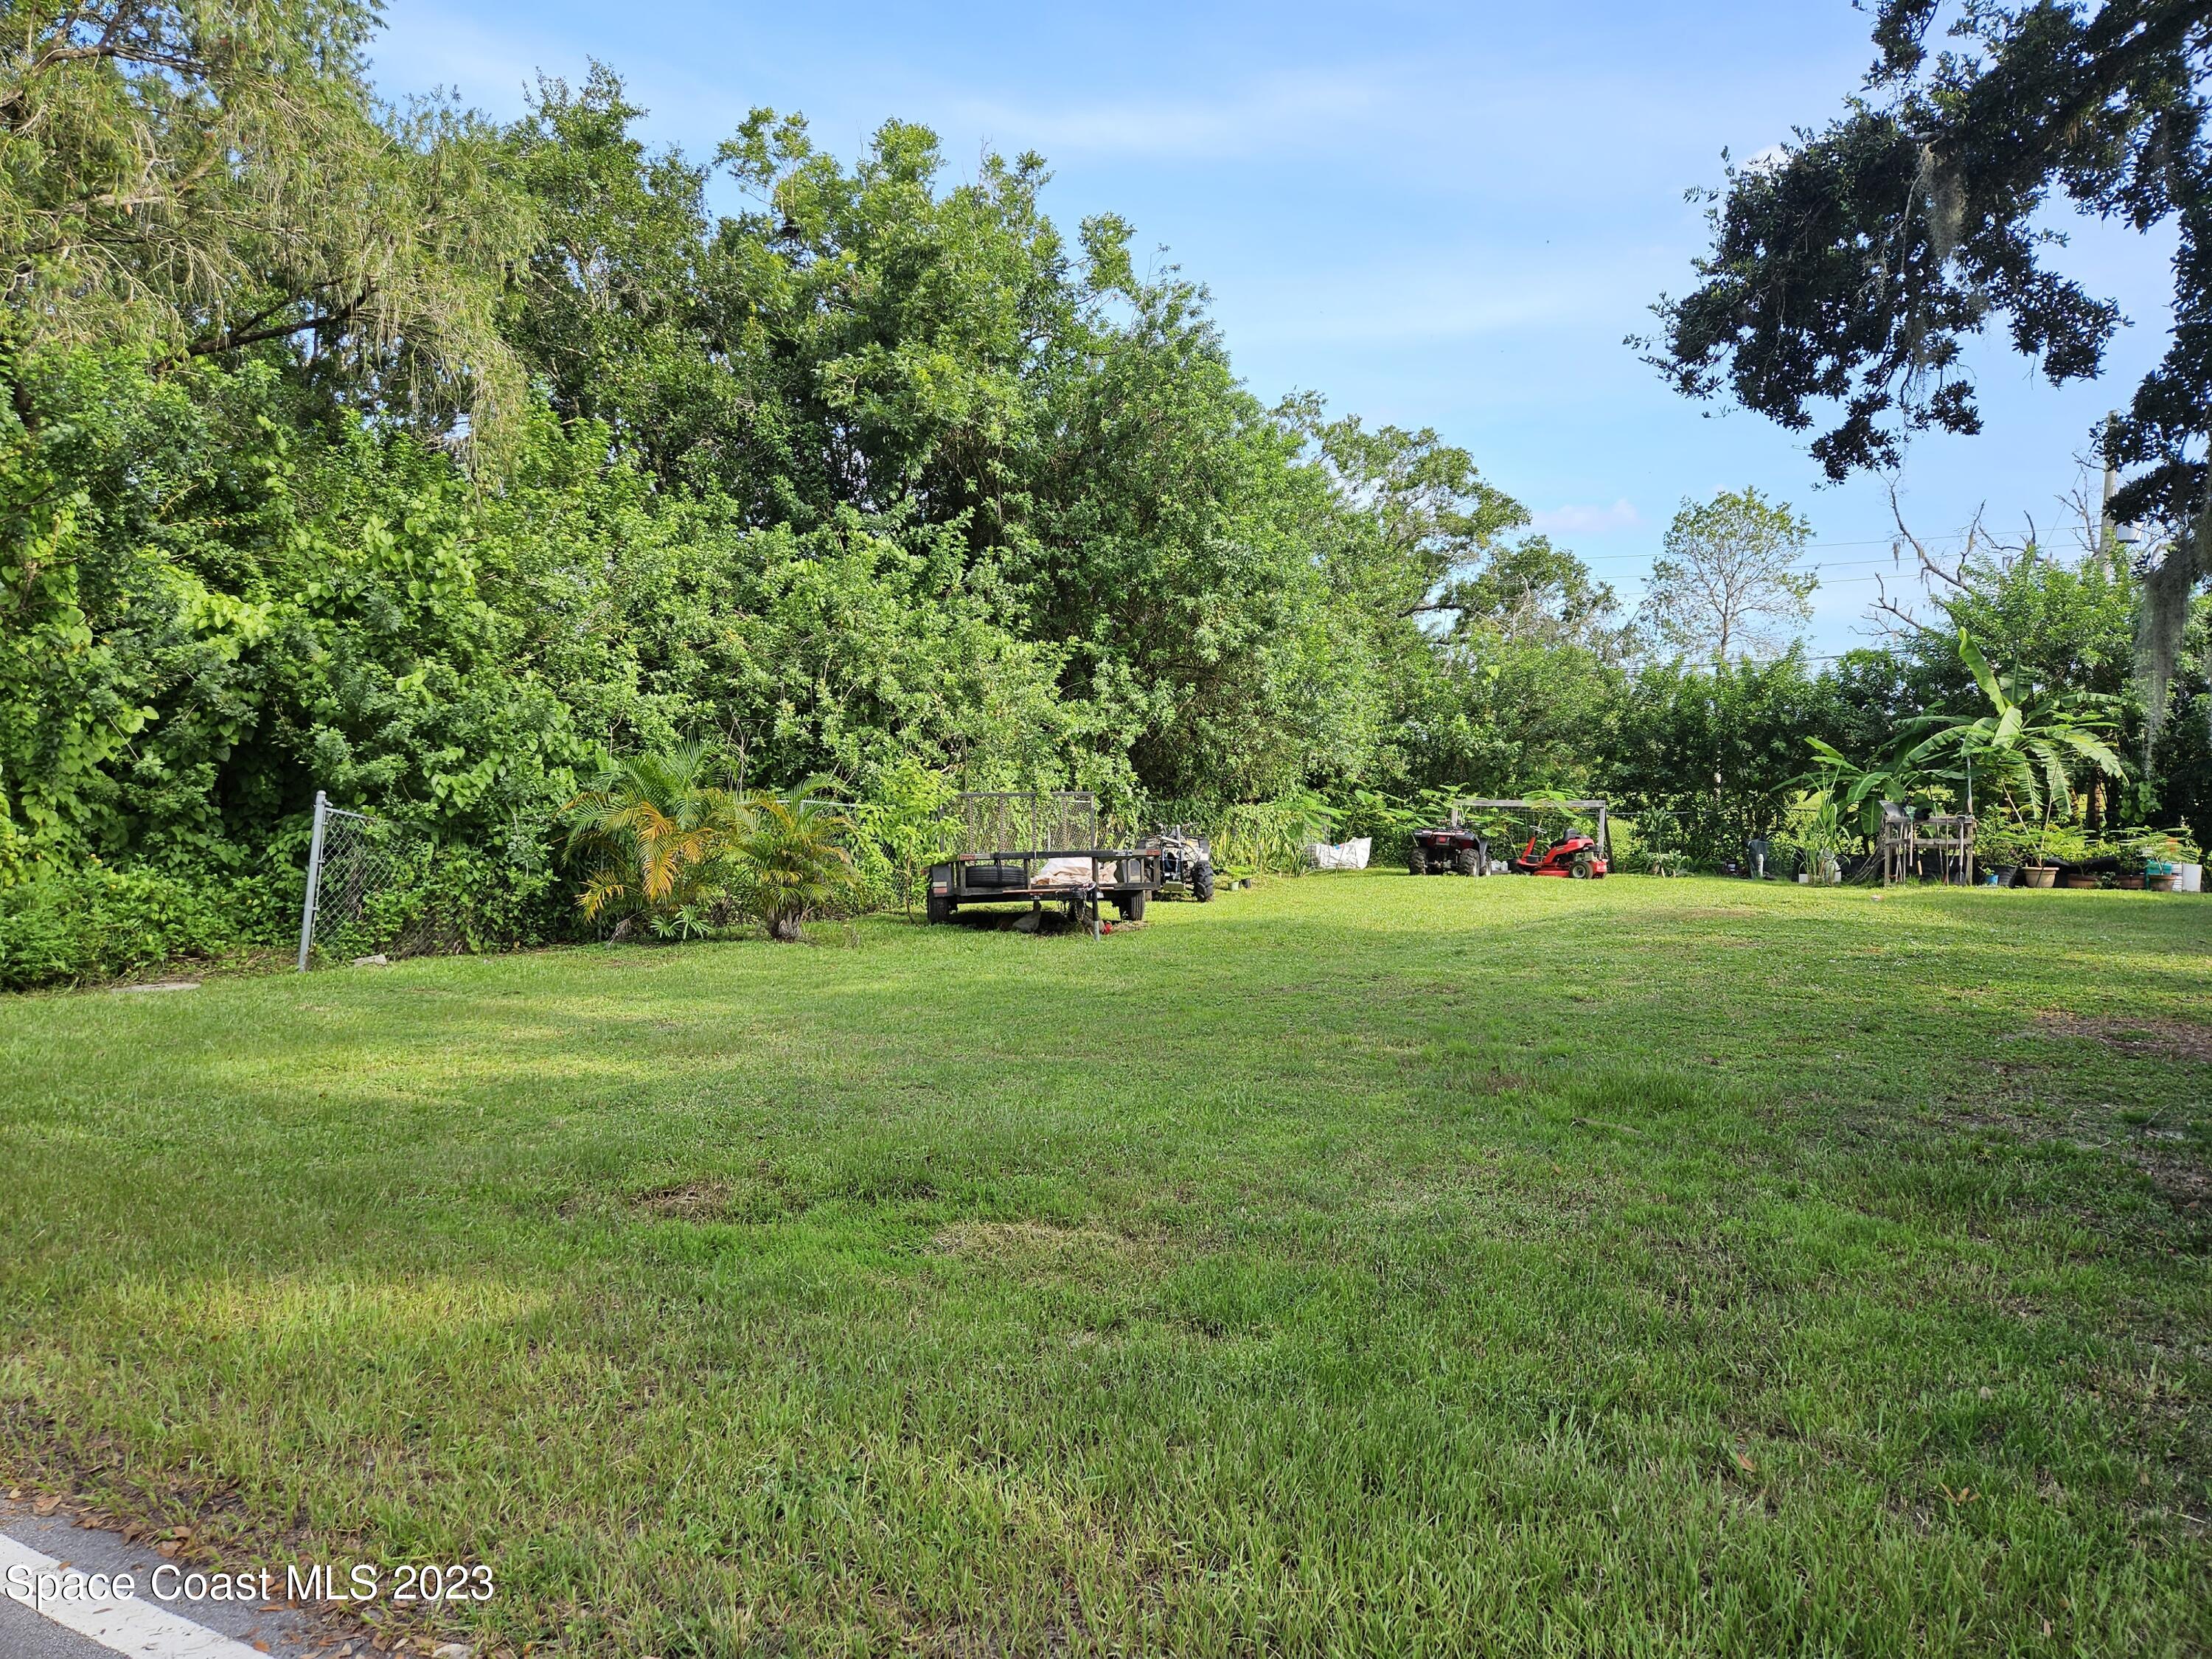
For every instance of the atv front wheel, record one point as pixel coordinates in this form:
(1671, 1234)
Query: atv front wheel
(1201, 881)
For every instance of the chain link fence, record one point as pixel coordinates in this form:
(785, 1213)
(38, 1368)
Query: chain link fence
(365, 879)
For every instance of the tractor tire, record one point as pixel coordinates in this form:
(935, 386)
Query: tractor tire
(1584, 868)
(1463, 862)
(1131, 905)
(936, 908)
(1201, 881)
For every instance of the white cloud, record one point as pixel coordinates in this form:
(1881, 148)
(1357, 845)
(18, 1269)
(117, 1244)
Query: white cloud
(1586, 521)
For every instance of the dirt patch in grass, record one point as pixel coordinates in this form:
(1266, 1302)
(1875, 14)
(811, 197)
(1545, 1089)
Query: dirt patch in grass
(2184, 1182)
(691, 1200)
(2165, 1155)
(2159, 1039)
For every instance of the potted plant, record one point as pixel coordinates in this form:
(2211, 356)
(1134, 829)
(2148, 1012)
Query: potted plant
(2022, 752)
(1816, 825)
(2001, 848)
(2130, 860)
(2188, 863)
(2162, 855)
(2054, 846)
(2036, 847)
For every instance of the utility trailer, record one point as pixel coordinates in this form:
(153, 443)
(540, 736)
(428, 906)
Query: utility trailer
(1036, 849)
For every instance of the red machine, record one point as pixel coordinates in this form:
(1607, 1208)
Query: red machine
(1577, 858)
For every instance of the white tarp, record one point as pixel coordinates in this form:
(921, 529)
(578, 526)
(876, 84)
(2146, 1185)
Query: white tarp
(1345, 855)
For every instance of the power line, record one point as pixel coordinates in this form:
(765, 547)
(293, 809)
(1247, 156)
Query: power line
(1819, 565)
(1810, 547)
(1896, 542)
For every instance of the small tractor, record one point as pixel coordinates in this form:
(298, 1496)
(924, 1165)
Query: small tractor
(1577, 858)
(1186, 862)
(1454, 847)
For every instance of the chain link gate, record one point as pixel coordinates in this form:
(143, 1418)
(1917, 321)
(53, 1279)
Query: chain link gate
(361, 871)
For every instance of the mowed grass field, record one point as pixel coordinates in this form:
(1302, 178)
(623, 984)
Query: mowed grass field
(1359, 1264)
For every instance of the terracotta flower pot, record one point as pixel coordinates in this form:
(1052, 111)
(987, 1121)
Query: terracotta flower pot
(2079, 881)
(2129, 884)
(2038, 875)
(2161, 883)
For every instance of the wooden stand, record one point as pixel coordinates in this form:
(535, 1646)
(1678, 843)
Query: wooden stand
(1908, 846)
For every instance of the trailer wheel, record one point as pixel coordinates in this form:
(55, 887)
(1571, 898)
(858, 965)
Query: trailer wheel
(1201, 881)
(1131, 905)
(936, 908)
(1464, 862)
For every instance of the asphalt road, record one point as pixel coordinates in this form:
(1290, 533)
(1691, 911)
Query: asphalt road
(145, 1626)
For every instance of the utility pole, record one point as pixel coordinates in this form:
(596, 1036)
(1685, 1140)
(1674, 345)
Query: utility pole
(2108, 532)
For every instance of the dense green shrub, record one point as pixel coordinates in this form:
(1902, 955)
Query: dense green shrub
(68, 926)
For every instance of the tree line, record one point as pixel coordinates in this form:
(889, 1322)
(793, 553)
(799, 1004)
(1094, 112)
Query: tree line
(437, 463)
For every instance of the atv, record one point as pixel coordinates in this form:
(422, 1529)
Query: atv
(1454, 847)
(1577, 858)
(1186, 862)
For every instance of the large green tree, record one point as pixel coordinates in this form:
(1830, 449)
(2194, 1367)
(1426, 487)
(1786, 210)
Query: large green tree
(186, 179)
(1848, 270)
(877, 477)
(1728, 582)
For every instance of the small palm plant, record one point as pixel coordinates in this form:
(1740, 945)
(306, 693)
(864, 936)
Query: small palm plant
(657, 830)
(787, 862)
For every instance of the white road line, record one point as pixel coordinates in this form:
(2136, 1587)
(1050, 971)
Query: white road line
(129, 1625)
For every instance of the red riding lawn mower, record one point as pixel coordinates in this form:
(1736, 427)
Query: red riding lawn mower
(1463, 846)
(1577, 858)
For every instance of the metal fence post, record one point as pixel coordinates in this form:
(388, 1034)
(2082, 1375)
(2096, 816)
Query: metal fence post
(315, 877)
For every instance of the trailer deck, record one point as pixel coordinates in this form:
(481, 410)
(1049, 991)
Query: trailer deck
(1036, 849)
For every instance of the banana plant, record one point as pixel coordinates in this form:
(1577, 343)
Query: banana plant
(1855, 791)
(2029, 747)
(2025, 750)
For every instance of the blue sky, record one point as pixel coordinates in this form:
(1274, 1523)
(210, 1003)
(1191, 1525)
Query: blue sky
(1437, 215)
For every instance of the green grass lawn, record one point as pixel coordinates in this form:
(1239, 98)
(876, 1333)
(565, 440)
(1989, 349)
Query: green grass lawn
(1357, 1264)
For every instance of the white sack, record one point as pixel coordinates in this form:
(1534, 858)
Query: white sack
(1344, 855)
